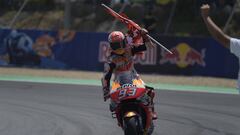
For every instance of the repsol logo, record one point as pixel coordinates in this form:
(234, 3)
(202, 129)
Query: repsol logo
(127, 86)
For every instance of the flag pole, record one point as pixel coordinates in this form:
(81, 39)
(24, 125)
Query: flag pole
(154, 40)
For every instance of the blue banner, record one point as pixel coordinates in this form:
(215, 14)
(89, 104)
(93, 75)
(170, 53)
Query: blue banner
(87, 51)
(194, 56)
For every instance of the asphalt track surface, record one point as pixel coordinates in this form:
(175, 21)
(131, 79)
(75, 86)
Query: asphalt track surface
(57, 109)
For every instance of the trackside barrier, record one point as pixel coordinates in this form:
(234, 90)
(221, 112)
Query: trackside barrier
(87, 51)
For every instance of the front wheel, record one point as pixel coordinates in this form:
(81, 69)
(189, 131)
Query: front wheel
(151, 128)
(132, 126)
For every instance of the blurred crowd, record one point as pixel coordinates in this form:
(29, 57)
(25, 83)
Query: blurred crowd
(182, 17)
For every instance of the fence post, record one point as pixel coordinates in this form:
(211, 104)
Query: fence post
(17, 14)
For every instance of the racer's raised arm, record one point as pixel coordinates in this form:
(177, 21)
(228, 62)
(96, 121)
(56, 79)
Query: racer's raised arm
(146, 43)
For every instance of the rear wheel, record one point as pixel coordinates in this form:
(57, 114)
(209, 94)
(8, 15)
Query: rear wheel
(132, 126)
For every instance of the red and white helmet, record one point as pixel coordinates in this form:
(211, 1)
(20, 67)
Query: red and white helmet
(116, 36)
(117, 40)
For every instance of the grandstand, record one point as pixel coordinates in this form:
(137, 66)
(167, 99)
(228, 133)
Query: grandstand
(172, 17)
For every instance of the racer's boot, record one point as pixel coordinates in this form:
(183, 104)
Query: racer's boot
(152, 95)
(154, 114)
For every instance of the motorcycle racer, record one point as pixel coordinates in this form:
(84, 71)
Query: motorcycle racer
(121, 63)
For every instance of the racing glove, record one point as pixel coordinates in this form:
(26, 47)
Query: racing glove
(146, 39)
(144, 33)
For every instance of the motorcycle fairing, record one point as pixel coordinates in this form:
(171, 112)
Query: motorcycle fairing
(127, 91)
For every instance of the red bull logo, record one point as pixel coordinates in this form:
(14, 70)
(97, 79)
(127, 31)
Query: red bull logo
(147, 58)
(183, 56)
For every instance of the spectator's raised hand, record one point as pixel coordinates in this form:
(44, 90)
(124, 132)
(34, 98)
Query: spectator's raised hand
(205, 9)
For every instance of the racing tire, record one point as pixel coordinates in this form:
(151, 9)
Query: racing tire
(151, 128)
(132, 126)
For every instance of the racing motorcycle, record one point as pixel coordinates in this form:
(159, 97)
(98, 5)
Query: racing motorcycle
(130, 105)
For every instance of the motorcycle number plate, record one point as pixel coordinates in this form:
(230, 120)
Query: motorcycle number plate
(127, 92)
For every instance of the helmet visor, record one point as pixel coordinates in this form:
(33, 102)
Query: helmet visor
(117, 45)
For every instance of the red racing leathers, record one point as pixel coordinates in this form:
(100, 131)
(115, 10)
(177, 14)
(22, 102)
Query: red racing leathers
(123, 68)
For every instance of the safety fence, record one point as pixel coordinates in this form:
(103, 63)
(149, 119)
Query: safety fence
(88, 51)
